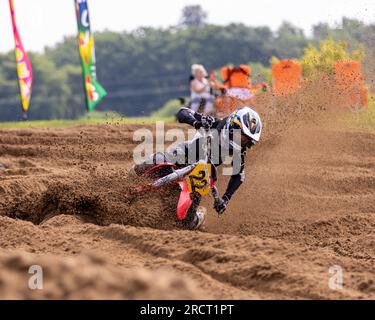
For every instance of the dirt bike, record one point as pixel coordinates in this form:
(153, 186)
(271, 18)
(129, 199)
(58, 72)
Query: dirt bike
(194, 182)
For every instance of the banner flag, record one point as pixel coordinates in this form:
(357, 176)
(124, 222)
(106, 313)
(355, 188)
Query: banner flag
(93, 90)
(24, 71)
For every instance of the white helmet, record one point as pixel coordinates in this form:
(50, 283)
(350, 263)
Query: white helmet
(248, 121)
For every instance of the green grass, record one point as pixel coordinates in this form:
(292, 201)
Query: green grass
(82, 121)
(364, 120)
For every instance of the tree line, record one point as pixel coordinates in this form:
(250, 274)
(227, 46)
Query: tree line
(143, 69)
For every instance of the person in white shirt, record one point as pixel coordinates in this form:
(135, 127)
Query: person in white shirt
(200, 88)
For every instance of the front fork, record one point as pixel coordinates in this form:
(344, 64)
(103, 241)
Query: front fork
(215, 193)
(216, 196)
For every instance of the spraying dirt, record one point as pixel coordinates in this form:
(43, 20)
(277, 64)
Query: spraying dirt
(308, 204)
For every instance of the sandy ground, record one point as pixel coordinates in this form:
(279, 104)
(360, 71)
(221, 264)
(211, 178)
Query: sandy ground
(308, 204)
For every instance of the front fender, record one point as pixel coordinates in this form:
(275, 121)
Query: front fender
(185, 201)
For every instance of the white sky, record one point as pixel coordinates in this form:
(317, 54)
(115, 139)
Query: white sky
(45, 22)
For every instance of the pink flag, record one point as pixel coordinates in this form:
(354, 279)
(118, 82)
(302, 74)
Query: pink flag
(24, 71)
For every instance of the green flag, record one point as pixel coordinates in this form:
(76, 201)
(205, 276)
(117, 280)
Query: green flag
(93, 90)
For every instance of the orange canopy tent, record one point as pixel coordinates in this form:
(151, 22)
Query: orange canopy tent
(350, 81)
(237, 77)
(287, 77)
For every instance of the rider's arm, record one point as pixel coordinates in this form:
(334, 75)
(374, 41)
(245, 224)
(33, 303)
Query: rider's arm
(188, 116)
(236, 180)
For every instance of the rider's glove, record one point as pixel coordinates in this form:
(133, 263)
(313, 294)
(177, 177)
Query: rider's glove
(221, 205)
(206, 122)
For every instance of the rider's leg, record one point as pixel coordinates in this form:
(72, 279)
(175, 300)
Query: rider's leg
(156, 158)
(178, 154)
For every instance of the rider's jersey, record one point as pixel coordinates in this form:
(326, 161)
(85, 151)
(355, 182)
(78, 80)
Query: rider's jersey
(190, 117)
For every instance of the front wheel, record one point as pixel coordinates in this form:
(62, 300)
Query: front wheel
(196, 215)
(200, 215)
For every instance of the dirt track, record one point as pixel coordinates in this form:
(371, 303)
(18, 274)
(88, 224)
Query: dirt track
(308, 204)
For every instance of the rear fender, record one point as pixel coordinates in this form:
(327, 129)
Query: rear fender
(185, 201)
(157, 167)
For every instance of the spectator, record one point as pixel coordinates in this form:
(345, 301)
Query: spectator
(200, 88)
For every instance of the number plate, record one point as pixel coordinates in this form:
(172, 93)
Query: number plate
(198, 181)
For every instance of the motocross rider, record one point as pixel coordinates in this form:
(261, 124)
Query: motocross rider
(244, 119)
